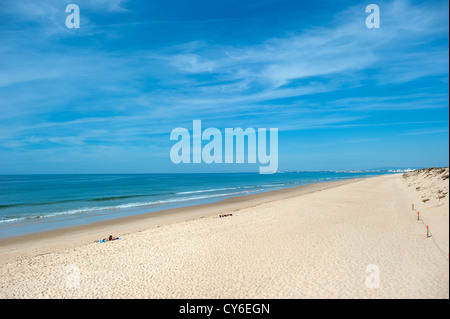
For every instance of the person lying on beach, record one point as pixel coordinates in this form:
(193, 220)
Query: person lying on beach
(110, 238)
(225, 215)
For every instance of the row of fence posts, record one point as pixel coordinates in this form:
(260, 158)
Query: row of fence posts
(428, 228)
(418, 219)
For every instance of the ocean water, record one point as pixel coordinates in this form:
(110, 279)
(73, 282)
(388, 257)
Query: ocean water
(32, 203)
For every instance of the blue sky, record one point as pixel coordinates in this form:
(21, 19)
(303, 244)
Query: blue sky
(104, 98)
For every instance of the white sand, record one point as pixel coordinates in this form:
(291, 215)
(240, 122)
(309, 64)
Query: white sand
(316, 245)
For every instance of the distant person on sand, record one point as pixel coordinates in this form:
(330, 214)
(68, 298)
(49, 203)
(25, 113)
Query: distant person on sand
(110, 238)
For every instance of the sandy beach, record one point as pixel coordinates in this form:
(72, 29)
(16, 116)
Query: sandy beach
(348, 239)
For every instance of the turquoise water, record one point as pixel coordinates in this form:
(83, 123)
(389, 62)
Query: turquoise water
(31, 203)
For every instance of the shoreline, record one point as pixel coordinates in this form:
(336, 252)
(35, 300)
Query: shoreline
(24, 246)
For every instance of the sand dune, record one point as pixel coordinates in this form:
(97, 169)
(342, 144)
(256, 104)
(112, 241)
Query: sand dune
(328, 243)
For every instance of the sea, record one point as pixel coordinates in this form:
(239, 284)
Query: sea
(34, 203)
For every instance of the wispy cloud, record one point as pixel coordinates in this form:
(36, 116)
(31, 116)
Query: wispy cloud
(427, 132)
